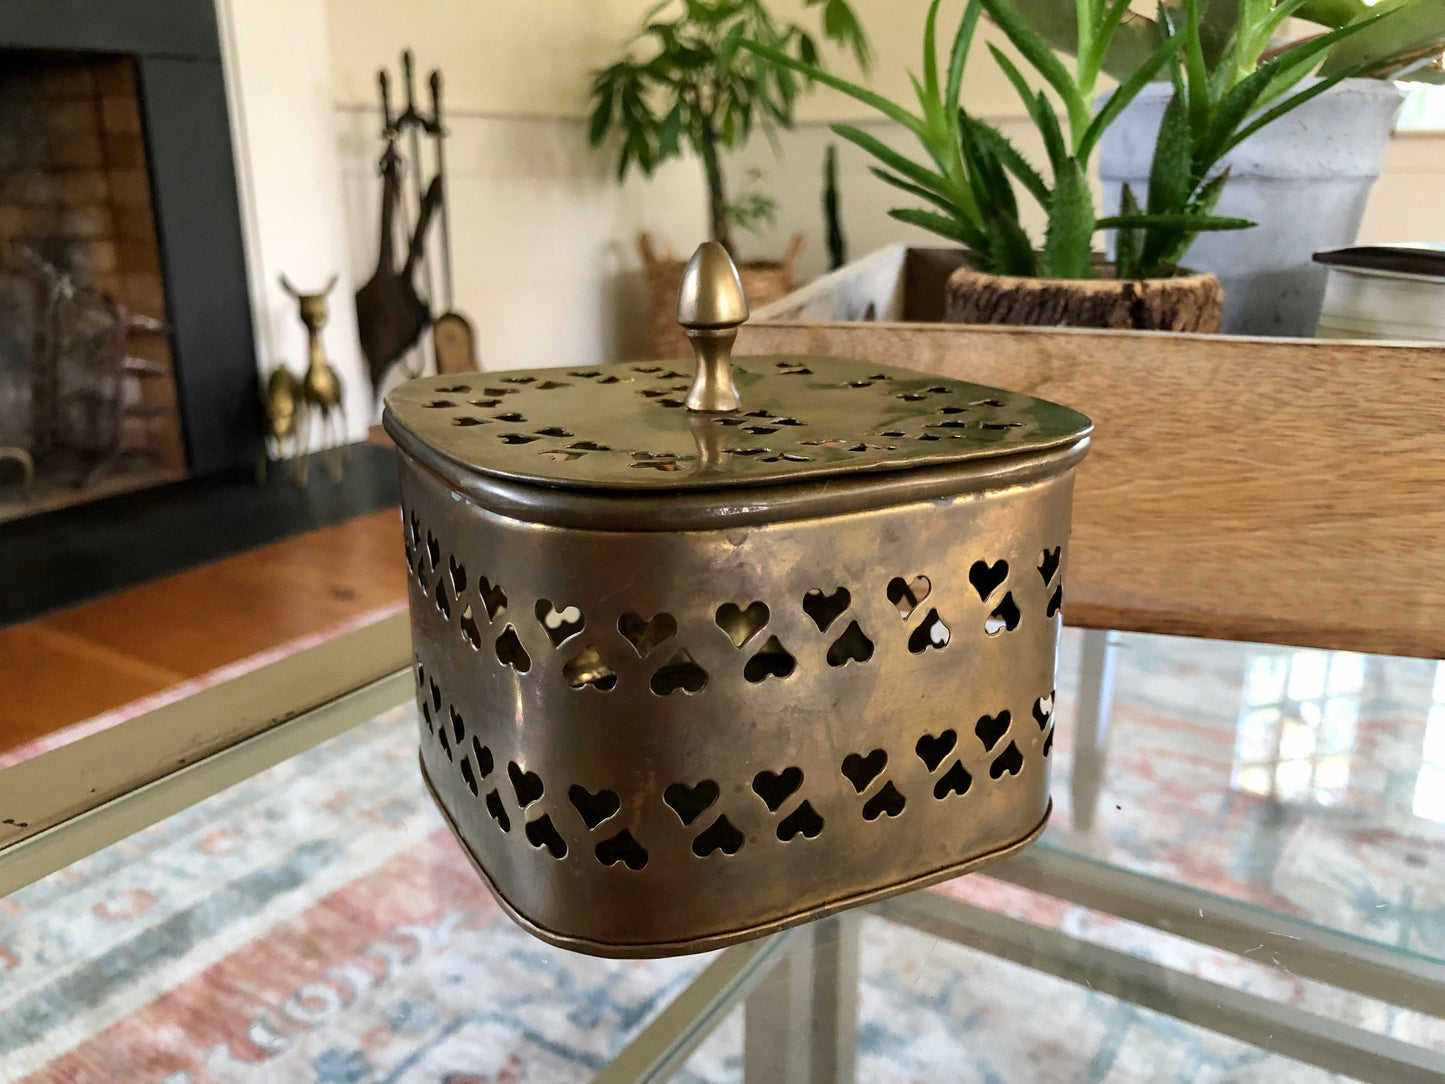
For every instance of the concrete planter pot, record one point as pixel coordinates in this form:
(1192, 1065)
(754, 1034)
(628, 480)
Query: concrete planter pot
(1305, 180)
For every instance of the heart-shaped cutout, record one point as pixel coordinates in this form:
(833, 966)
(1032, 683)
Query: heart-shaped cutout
(775, 788)
(907, 595)
(689, 803)
(586, 670)
(803, 821)
(510, 651)
(931, 750)
(622, 848)
(459, 728)
(991, 729)
(594, 808)
(459, 575)
(433, 552)
(469, 776)
(825, 609)
(986, 578)
(470, 632)
(559, 622)
(494, 599)
(554, 431)
(772, 660)
(1048, 742)
(721, 835)
(1049, 564)
(1044, 709)
(887, 802)
(498, 811)
(860, 770)
(954, 781)
(526, 785)
(1057, 602)
(444, 740)
(852, 646)
(483, 757)
(443, 601)
(644, 636)
(543, 833)
(517, 438)
(679, 673)
(1005, 617)
(931, 632)
(739, 624)
(436, 696)
(1009, 762)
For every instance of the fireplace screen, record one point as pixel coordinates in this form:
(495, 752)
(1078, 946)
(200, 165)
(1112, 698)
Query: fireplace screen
(87, 387)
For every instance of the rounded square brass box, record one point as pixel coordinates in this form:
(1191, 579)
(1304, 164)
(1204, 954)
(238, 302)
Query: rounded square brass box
(689, 678)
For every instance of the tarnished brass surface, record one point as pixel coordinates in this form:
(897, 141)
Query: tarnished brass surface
(694, 670)
(626, 427)
(693, 737)
(710, 306)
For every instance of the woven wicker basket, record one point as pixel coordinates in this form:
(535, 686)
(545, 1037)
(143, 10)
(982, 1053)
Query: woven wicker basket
(763, 282)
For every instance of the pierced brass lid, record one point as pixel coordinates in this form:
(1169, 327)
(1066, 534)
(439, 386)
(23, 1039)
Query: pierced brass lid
(627, 427)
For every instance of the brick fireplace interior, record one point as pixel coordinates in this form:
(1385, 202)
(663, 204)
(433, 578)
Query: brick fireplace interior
(87, 385)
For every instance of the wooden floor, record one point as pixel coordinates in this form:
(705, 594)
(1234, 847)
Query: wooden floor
(71, 665)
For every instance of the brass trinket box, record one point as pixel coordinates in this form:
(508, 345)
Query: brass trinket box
(700, 656)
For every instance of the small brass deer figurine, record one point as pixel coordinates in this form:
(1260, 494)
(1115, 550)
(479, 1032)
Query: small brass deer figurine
(293, 405)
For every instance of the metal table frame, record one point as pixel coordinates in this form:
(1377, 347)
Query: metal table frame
(798, 988)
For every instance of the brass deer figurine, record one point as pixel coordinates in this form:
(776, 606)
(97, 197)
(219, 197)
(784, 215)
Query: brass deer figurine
(294, 405)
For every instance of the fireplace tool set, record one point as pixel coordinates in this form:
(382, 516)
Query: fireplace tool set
(702, 653)
(391, 312)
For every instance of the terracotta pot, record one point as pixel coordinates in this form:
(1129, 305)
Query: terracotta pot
(1190, 302)
(763, 282)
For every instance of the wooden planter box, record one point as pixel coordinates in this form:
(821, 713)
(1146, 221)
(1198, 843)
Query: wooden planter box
(1280, 490)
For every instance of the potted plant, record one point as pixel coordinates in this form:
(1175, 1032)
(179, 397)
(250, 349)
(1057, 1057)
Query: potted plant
(683, 85)
(974, 178)
(1304, 180)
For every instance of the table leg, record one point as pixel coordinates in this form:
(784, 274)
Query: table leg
(800, 1024)
(1097, 664)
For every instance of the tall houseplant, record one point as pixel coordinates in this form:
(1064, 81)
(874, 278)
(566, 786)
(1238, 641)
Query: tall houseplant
(683, 86)
(974, 176)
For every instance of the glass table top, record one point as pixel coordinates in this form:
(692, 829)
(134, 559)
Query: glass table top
(318, 923)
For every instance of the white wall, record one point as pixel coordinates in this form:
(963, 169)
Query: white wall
(544, 240)
(289, 175)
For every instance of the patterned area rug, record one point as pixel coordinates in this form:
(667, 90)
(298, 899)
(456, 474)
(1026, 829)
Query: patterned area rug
(317, 923)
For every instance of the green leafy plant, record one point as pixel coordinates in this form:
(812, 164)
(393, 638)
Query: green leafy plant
(974, 175)
(1406, 46)
(683, 84)
(1216, 105)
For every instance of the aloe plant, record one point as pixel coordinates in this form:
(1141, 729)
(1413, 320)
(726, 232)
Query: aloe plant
(1215, 107)
(1400, 48)
(974, 175)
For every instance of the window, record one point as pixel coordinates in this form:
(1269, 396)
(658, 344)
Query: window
(1430, 783)
(1296, 731)
(1424, 107)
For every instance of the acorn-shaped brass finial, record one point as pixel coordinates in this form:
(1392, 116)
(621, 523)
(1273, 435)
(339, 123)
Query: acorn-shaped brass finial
(710, 306)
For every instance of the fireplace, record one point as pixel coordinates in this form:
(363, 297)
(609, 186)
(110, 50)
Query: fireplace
(126, 352)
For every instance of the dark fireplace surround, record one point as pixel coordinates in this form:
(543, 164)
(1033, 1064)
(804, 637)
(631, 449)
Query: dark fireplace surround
(182, 95)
